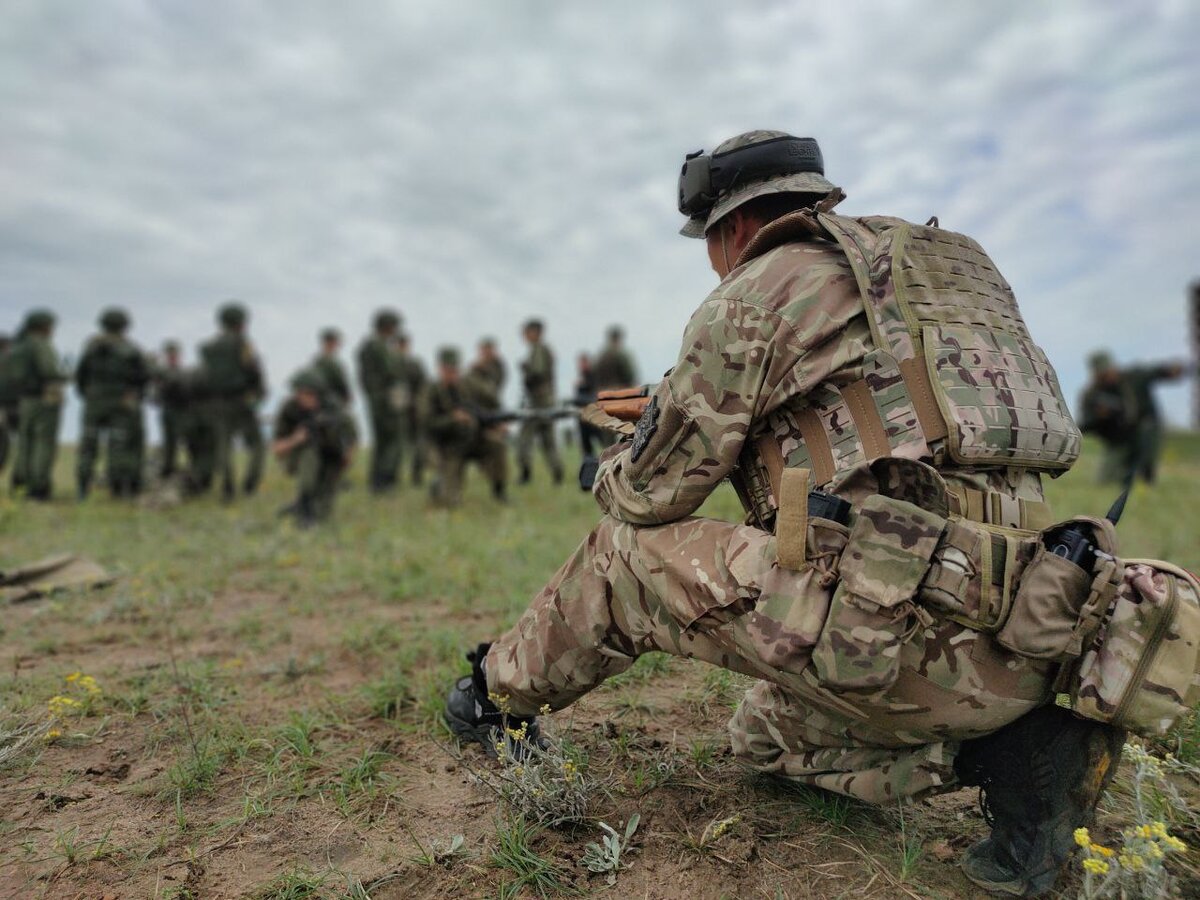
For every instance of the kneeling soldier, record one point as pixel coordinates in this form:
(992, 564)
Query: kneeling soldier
(315, 438)
(456, 411)
(885, 365)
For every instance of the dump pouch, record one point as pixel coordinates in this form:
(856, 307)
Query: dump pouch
(1058, 605)
(1142, 670)
(872, 613)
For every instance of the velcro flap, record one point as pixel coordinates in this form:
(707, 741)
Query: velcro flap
(889, 549)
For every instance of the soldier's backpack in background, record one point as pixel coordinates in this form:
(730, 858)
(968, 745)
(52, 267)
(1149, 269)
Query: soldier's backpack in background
(1142, 670)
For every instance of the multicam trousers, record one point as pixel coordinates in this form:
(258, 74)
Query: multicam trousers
(713, 591)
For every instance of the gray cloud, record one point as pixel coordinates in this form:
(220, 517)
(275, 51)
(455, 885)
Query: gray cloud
(477, 163)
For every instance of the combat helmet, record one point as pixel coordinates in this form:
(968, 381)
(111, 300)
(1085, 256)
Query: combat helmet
(232, 315)
(386, 319)
(1101, 361)
(114, 320)
(308, 380)
(38, 320)
(448, 356)
(752, 164)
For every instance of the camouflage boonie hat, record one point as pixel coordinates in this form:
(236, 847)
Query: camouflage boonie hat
(537, 324)
(231, 315)
(37, 319)
(448, 356)
(329, 335)
(114, 319)
(1101, 361)
(308, 380)
(799, 183)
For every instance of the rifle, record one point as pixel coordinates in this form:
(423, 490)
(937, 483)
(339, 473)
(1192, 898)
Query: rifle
(488, 418)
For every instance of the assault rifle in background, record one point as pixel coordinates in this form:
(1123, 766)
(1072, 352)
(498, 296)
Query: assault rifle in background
(615, 411)
(625, 405)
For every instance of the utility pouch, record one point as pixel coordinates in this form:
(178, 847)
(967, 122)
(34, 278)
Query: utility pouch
(1142, 671)
(1058, 605)
(871, 613)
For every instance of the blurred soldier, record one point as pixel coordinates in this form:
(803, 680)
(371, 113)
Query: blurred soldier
(872, 489)
(170, 395)
(537, 376)
(490, 365)
(315, 438)
(197, 430)
(613, 367)
(39, 379)
(409, 390)
(236, 386)
(482, 386)
(591, 438)
(111, 379)
(457, 432)
(1118, 406)
(378, 374)
(330, 367)
(9, 397)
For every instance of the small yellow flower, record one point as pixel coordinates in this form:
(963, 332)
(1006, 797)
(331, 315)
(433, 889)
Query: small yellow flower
(53, 735)
(545, 710)
(1081, 837)
(1095, 866)
(1158, 829)
(1174, 843)
(1106, 852)
(1154, 851)
(73, 677)
(1134, 862)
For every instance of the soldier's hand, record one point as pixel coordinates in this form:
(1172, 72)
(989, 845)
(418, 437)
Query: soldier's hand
(595, 414)
(463, 417)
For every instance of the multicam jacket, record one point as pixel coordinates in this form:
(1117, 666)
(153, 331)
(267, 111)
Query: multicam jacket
(785, 346)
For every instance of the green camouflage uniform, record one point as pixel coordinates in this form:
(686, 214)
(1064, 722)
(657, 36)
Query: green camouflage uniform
(613, 368)
(333, 373)
(171, 396)
(39, 380)
(537, 373)
(111, 379)
(197, 430)
(235, 386)
(1125, 417)
(766, 352)
(456, 442)
(379, 376)
(482, 385)
(9, 399)
(320, 462)
(411, 383)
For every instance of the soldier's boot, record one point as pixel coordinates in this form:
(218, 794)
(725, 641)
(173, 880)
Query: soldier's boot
(472, 716)
(499, 494)
(1040, 778)
(83, 487)
(526, 474)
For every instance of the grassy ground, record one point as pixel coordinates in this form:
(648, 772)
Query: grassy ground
(265, 717)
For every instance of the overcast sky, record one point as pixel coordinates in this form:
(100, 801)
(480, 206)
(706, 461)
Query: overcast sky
(477, 163)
